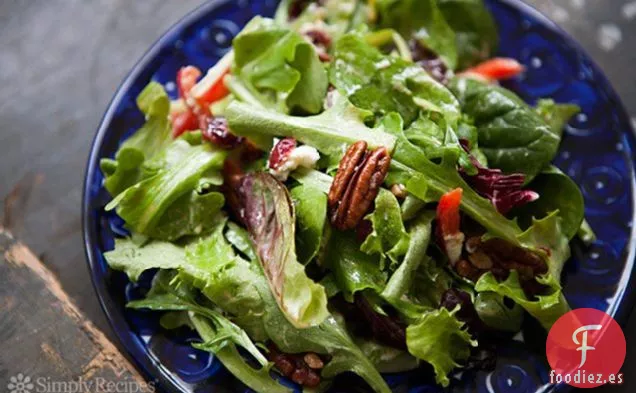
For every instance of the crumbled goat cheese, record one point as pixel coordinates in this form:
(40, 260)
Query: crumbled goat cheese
(302, 156)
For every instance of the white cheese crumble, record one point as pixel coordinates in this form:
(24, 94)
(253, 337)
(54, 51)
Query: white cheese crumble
(302, 156)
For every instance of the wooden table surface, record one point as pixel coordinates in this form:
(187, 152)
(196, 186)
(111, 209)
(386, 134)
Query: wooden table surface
(61, 62)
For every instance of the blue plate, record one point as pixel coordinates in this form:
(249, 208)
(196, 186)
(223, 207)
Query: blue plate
(597, 152)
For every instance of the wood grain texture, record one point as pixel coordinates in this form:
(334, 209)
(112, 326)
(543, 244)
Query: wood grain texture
(42, 333)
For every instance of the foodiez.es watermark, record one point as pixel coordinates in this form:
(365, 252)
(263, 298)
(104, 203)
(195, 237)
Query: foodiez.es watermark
(586, 348)
(21, 383)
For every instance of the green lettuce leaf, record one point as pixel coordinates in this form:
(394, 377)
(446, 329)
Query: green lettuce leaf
(240, 239)
(258, 379)
(331, 132)
(339, 16)
(475, 30)
(143, 204)
(422, 20)
(310, 205)
(353, 269)
(192, 213)
(441, 340)
(402, 279)
(133, 259)
(385, 84)
(388, 359)
(428, 181)
(335, 129)
(389, 237)
(279, 67)
(270, 220)
(495, 313)
(546, 238)
(167, 295)
(512, 135)
(241, 289)
(151, 138)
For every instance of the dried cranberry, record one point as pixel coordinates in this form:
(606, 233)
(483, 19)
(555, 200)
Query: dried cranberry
(216, 130)
(281, 152)
(293, 366)
(319, 37)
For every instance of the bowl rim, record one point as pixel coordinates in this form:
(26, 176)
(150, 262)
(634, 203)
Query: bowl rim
(134, 348)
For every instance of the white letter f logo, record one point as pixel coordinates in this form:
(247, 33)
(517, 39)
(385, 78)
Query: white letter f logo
(584, 347)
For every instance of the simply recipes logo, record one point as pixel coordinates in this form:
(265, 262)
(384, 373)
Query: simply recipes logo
(21, 383)
(586, 348)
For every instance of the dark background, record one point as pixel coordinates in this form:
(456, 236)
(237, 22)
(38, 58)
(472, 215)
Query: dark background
(61, 62)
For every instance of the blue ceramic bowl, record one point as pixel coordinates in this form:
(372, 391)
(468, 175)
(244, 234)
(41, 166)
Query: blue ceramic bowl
(597, 152)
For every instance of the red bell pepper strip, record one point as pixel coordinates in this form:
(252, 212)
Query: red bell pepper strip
(448, 221)
(498, 68)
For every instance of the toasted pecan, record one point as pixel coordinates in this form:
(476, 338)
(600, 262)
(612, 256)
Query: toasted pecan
(357, 183)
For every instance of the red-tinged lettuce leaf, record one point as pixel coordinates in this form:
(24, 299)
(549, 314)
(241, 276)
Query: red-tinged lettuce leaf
(268, 213)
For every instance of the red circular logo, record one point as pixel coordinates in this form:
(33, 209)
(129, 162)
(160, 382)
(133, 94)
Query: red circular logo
(586, 349)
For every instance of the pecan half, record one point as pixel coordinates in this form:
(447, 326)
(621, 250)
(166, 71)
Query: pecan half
(500, 257)
(357, 183)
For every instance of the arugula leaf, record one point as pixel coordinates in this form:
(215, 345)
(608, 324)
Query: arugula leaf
(556, 115)
(168, 295)
(475, 30)
(422, 20)
(260, 380)
(310, 205)
(388, 236)
(352, 269)
(279, 67)
(545, 237)
(385, 84)
(270, 220)
(151, 138)
(558, 192)
(331, 132)
(440, 339)
(512, 136)
(143, 204)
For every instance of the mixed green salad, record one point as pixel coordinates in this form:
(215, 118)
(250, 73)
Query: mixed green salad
(349, 190)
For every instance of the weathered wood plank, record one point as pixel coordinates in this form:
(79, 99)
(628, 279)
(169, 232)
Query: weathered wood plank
(43, 335)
